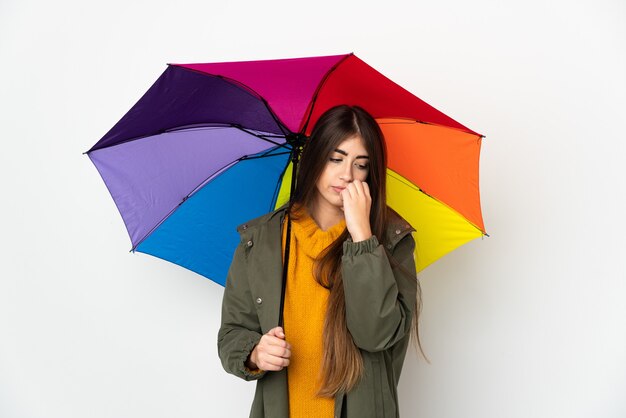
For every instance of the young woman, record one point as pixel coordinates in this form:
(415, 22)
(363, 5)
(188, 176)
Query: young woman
(352, 298)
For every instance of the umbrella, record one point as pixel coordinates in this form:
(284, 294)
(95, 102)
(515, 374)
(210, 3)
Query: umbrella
(210, 146)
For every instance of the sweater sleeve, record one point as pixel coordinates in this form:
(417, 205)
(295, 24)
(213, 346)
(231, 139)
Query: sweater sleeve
(240, 330)
(379, 298)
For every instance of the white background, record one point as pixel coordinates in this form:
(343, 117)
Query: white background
(530, 322)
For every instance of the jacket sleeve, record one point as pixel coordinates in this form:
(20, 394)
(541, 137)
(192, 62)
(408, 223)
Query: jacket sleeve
(240, 330)
(379, 299)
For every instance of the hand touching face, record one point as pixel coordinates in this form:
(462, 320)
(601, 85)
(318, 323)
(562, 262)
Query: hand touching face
(342, 186)
(357, 204)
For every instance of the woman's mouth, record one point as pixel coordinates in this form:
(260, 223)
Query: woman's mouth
(338, 189)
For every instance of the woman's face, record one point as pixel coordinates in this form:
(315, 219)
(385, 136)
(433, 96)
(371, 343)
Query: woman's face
(348, 162)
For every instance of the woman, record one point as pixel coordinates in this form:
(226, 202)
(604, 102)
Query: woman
(352, 296)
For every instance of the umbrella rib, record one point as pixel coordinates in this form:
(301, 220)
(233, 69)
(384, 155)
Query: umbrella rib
(225, 167)
(407, 183)
(204, 183)
(254, 157)
(263, 137)
(409, 121)
(258, 96)
(319, 87)
(245, 88)
(271, 112)
(413, 186)
(162, 131)
(190, 127)
(243, 129)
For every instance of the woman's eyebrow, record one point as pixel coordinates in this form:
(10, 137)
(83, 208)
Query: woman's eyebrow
(340, 151)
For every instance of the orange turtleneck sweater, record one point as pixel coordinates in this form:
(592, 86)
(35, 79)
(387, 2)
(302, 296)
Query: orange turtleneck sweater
(304, 312)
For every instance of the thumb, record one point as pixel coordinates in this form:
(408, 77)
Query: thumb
(277, 332)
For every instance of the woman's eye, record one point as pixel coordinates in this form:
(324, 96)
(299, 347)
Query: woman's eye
(359, 166)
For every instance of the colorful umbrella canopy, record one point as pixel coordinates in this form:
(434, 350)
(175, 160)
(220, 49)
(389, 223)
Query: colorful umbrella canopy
(208, 147)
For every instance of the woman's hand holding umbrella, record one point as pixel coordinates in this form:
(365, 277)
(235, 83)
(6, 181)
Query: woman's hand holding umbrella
(357, 203)
(272, 353)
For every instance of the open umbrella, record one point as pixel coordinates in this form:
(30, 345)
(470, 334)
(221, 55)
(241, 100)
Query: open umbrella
(210, 146)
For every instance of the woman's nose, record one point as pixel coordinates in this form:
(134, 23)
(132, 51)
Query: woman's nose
(347, 174)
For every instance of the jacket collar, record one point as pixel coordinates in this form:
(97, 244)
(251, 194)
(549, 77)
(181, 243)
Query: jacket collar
(397, 227)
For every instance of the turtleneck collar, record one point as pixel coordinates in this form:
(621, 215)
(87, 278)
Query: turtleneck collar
(310, 236)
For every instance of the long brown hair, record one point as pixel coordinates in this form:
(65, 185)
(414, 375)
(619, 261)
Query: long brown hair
(342, 363)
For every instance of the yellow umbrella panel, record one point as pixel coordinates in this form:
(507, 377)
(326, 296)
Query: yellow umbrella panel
(439, 229)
